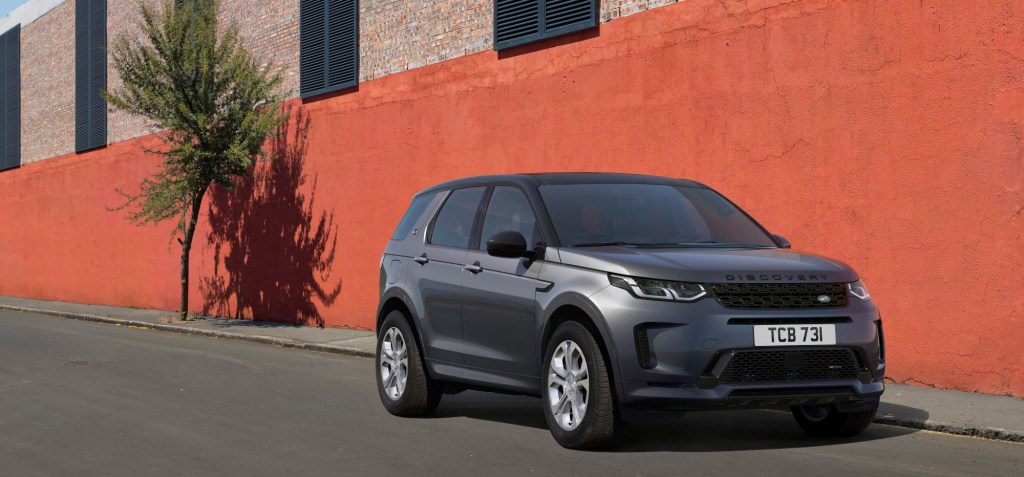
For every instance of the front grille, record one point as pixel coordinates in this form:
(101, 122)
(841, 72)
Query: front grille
(760, 296)
(790, 365)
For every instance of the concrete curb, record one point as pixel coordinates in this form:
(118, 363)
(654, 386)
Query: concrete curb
(954, 429)
(282, 342)
(984, 433)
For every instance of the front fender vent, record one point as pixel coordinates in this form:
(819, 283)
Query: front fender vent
(643, 350)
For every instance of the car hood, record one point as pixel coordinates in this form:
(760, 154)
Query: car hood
(711, 264)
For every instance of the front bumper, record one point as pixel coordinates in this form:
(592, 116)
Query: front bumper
(686, 348)
(849, 394)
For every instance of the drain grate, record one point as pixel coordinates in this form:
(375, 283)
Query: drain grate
(88, 363)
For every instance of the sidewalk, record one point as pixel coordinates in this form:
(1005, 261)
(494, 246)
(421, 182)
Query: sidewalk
(330, 340)
(953, 412)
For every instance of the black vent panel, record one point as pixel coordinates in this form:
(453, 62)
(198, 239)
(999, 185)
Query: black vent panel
(562, 13)
(313, 46)
(516, 19)
(343, 43)
(790, 296)
(90, 74)
(518, 22)
(10, 98)
(756, 366)
(328, 46)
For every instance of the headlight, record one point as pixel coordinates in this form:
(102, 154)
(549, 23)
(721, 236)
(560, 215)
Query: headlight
(858, 290)
(659, 289)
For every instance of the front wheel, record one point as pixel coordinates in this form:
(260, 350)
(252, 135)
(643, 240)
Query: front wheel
(827, 421)
(579, 403)
(404, 387)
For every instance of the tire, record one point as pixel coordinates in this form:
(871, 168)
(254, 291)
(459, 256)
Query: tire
(580, 414)
(419, 394)
(827, 421)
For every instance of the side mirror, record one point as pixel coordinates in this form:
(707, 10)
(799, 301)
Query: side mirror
(782, 241)
(508, 244)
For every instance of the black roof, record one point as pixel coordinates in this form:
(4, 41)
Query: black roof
(558, 178)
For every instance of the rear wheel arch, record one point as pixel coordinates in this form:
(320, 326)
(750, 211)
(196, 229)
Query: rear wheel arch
(391, 304)
(396, 302)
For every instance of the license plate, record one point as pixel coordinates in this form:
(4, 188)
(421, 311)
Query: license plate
(794, 335)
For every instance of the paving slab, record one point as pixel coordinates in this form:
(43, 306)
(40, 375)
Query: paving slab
(953, 412)
(939, 410)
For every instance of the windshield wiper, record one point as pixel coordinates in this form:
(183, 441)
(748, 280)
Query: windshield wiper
(668, 244)
(723, 244)
(710, 243)
(604, 244)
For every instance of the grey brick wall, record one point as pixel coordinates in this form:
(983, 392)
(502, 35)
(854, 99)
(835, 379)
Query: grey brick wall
(122, 18)
(271, 29)
(48, 85)
(612, 9)
(399, 35)
(395, 36)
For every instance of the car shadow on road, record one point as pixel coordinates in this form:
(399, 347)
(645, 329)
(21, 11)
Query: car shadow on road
(516, 410)
(710, 431)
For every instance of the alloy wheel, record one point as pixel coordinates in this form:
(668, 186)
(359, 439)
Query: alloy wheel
(394, 364)
(568, 385)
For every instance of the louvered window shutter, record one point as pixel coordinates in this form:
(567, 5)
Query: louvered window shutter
(328, 46)
(10, 98)
(90, 74)
(518, 22)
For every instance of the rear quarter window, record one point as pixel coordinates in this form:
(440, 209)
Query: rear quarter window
(412, 215)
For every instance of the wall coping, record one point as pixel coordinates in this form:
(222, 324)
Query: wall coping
(27, 13)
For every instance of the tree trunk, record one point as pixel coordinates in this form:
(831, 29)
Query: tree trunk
(186, 249)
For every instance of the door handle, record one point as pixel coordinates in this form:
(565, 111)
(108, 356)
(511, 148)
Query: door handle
(474, 268)
(422, 259)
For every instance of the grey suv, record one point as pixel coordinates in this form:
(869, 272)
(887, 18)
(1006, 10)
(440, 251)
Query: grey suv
(617, 297)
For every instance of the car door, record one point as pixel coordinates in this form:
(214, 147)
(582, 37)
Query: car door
(437, 272)
(498, 294)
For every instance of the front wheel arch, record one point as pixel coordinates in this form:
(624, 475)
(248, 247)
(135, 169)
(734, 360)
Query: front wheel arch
(577, 308)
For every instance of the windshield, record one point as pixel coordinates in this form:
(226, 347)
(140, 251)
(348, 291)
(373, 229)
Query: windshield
(648, 215)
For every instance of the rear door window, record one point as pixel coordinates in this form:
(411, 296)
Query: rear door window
(454, 224)
(412, 215)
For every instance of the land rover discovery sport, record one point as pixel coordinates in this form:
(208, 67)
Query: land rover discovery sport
(616, 297)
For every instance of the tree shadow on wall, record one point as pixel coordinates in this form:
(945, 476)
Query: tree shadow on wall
(273, 254)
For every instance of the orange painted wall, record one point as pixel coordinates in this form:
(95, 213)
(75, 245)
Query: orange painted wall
(885, 134)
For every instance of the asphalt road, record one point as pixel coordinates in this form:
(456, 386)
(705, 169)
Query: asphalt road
(81, 398)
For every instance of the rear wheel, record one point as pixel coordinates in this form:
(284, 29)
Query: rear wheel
(404, 387)
(827, 421)
(579, 403)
